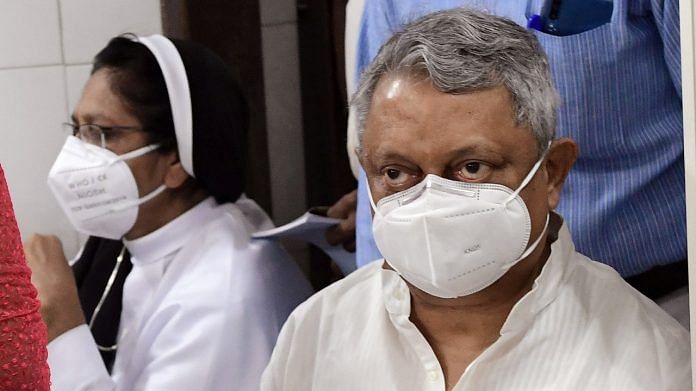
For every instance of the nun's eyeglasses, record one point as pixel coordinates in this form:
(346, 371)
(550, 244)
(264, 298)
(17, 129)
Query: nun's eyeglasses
(97, 134)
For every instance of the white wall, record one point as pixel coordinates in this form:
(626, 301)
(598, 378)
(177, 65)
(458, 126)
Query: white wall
(46, 47)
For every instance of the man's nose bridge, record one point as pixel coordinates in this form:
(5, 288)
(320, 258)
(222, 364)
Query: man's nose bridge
(435, 170)
(436, 183)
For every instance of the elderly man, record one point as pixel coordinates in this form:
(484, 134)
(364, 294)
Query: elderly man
(480, 288)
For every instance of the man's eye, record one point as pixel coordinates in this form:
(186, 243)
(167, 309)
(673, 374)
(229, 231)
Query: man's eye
(472, 168)
(395, 177)
(393, 173)
(474, 171)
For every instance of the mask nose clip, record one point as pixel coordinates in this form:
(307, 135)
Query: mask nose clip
(427, 184)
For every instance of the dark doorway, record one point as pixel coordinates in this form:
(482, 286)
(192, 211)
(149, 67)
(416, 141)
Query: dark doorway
(232, 29)
(321, 25)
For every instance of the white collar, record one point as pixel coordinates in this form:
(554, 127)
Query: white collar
(547, 285)
(172, 236)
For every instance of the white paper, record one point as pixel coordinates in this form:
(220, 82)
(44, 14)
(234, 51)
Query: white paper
(312, 228)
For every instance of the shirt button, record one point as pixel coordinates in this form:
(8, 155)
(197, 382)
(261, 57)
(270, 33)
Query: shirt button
(398, 295)
(432, 375)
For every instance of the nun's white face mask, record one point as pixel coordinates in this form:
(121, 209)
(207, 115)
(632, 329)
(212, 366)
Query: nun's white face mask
(96, 188)
(91, 179)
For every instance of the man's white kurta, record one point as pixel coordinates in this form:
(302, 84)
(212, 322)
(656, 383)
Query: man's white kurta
(581, 327)
(202, 308)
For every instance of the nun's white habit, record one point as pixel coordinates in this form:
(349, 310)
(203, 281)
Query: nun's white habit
(203, 303)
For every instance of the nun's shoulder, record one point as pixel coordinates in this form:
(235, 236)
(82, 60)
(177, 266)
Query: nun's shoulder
(226, 238)
(228, 227)
(222, 257)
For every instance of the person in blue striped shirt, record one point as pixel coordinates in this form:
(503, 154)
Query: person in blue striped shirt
(620, 89)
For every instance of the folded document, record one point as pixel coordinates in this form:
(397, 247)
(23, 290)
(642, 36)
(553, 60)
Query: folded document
(311, 227)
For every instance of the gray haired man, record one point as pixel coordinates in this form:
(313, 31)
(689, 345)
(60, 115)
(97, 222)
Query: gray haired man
(481, 287)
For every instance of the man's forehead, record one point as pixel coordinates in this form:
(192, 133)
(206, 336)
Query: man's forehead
(409, 113)
(400, 89)
(392, 85)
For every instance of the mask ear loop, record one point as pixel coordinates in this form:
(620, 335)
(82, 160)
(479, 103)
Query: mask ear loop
(137, 202)
(141, 200)
(524, 183)
(369, 196)
(132, 155)
(531, 248)
(136, 153)
(529, 176)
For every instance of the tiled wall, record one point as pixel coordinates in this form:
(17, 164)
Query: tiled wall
(45, 50)
(46, 47)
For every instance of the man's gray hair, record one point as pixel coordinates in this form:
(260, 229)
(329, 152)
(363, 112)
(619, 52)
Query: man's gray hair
(462, 51)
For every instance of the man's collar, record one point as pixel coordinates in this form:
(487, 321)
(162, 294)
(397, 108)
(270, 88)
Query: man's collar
(546, 285)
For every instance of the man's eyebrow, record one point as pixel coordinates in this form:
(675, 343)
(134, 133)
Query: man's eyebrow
(390, 155)
(476, 149)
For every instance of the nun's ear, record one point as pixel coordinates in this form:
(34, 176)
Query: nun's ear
(175, 176)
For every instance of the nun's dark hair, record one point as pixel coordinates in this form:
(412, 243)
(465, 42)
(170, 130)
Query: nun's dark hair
(220, 114)
(137, 79)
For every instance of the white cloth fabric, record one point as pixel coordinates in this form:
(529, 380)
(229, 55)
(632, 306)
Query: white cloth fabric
(581, 327)
(202, 308)
(677, 305)
(174, 72)
(354, 13)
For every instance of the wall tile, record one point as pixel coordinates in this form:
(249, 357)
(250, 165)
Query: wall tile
(76, 77)
(277, 11)
(29, 33)
(32, 107)
(284, 120)
(89, 24)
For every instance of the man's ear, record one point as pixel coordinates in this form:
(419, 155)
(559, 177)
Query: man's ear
(559, 159)
(175, 175)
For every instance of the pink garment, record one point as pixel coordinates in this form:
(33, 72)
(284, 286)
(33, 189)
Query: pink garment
(23, 336)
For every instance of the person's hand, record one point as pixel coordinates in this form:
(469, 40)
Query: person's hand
(344, 232)
(54, 280)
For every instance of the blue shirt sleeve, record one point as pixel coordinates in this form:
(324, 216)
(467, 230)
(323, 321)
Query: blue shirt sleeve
(666, 15)
(375, 28)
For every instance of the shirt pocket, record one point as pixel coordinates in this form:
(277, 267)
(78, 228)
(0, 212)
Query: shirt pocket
(585, 69)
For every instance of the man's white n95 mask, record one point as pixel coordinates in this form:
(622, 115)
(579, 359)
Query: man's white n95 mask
(96, 188)
(451, 238)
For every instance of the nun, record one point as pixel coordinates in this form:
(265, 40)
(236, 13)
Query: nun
(169, 292)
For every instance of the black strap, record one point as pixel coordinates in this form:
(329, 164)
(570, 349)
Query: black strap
(92, 271)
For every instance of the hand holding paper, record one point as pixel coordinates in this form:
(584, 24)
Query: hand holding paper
(311, 227)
